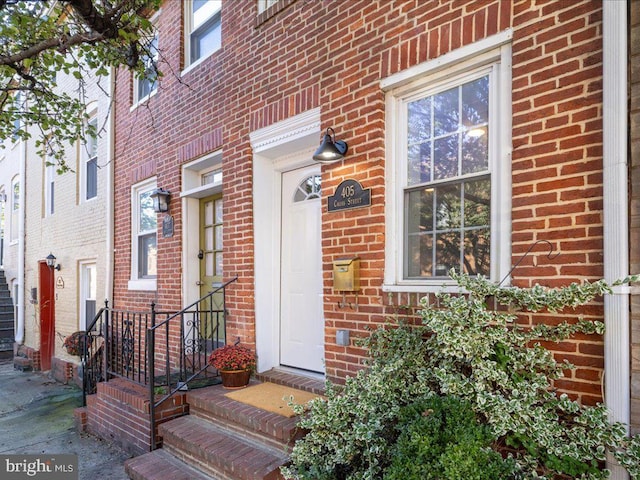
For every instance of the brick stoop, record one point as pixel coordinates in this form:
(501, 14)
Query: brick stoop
(224, 439)
(161, 465)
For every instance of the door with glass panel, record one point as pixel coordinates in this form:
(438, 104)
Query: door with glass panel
(302, 318)
(210, 255)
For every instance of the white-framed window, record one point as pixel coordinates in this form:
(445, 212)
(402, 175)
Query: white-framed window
(15, 209)
(49, 187)
(146, 86)
(88, 293)
(265, 4)
(89, 159)
(144, 249)
(203, 29)
(449, 153)
(18, 106)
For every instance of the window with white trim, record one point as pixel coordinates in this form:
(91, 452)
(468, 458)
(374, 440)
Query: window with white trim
(147, 85)
(49, 187)
(89, 165)
(203, 29)
(15, 209)
(17, 106)
(265, 4)
(88, 293)
(450, 205)
(144, 250)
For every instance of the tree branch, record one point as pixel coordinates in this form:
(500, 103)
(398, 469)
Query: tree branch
(61, 43)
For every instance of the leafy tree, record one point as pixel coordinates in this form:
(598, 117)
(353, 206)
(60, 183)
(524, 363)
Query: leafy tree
(40, 40)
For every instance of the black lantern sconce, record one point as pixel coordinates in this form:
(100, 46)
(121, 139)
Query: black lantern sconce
(51, 262)
(160, 200)
(330, 150)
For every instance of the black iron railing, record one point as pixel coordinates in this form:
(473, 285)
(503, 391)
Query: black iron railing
(164, 352)
(116, 348)
(180, 345)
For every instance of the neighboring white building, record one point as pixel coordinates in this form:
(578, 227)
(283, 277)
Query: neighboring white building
(66, 216)
(12, 155)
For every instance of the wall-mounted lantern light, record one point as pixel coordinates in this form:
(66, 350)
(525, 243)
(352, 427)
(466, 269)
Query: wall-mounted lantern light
(51, 262)
(160, 200)
(330, 150)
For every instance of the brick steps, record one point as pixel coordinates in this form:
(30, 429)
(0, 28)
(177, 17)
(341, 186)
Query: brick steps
(224, 439)
(219, 451)
(272, 429)
(161, 465)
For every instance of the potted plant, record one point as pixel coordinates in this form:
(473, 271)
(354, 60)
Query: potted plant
(77, 343)
(235, 363)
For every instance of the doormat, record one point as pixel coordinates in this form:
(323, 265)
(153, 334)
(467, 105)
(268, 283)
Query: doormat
(271, 397)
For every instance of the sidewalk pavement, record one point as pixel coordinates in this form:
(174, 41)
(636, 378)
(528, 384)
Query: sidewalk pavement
(36, 416)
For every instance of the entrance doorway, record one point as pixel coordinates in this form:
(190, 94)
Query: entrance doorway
(211, 272)
(301, 312)
(47, 314)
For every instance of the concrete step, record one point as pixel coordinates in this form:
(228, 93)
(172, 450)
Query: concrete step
(219, 452)
(160, 465)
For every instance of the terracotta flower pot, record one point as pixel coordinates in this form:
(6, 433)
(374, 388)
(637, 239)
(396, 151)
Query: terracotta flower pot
(234, 379)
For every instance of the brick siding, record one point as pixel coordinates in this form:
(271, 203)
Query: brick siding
(119, 411)
(333, 54)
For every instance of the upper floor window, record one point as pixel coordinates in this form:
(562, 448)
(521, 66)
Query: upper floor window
(147, 85)
(49, 187)
(15, 209)
(202, 28)
(265, 4)
(17, 107)
(89, 166)
(451, 194)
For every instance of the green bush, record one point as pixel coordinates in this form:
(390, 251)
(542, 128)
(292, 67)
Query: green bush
(485, 358)
(441, 438)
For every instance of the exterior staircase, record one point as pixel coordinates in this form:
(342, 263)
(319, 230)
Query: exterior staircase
(6, 319)
(223, 439)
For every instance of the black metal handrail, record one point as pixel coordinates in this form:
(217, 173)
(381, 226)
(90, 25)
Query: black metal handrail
(158, 350)
(115, 347)
(92, 357)
(184, 356)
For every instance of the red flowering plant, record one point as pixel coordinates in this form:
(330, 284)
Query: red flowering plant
(76, 342)
(233, 357)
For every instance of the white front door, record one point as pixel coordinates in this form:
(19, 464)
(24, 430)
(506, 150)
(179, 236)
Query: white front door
(302, 319)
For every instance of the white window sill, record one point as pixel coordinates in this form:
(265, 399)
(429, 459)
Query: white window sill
(434, 287)
(143, 100)
(195, 64)
(148, 284)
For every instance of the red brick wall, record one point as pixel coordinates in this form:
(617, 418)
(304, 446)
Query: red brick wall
(557, 163)
(332, 54)
(119, 411)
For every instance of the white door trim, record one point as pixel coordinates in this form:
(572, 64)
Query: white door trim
(283, 146)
